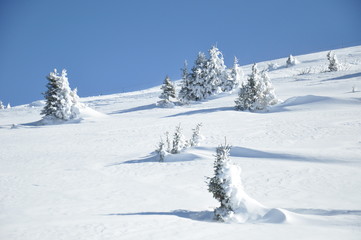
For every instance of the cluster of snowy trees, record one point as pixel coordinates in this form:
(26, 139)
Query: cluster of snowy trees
(209, 76)
(61, 102)
(178, 143)
(257, 93)
(3, 107)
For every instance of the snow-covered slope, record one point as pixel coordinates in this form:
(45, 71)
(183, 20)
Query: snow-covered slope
(98, 178)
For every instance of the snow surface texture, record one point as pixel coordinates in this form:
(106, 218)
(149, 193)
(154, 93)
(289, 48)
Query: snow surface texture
(96, 178)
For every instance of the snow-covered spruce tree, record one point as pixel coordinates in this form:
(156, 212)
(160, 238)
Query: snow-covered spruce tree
(193, 87)
(249, 92)
(215, 75)
(61, 102)
(196, 136)
(333, 65)
(291, 61)
(268, 96)
(8, 106)
(220, 184)
(1, 105)
(167, 142)
(186, 88)
(168, 92)
(234, 76)
(179, 142)
(161, 151)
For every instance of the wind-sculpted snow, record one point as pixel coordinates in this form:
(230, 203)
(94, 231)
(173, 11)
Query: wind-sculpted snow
(98, 177)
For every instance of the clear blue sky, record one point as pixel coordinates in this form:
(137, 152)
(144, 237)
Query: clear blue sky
(111, 46)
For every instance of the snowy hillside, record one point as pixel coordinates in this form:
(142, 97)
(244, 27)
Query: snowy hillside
(99, 179)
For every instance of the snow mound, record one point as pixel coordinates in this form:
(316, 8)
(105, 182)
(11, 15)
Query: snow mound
(245, 208)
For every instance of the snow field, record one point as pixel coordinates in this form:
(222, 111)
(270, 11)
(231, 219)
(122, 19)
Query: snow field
(98, 178)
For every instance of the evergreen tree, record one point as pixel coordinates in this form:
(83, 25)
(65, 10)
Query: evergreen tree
(167, 142)
(179, 142)
(8, 106)
(161, 151)
(61, 102)
(218, 185)
(233, 77)
(196, 136)
(268, 95)
(186, 89)
(1, 105)
(249, 91)
(333, 65)
(291, 61)
(168, 92)
(215, 76)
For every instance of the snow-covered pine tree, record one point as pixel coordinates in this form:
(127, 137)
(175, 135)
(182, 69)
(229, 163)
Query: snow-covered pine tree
(2, 105)
(61, 102)
(291, 61)
(250, 92)
(179, 142)
(8, 106)
(215, 75)
(193, 83)
(333, 65)
(161, 151)
(167, 142)
(268, 92)
(186, 88)
(234, 76)
(168, 92)
(196, 136)
(220, 184)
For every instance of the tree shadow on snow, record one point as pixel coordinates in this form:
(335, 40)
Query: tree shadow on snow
(323, 212)
(47, 122)
(136, 109)
(251, 153)
(202, 111)
(204, 216)
(354, 75)
(180, 157)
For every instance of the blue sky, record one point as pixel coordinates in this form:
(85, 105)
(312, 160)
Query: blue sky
(111, 46)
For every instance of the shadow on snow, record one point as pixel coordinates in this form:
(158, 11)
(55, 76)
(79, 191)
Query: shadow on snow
(205, 216)
(354, 75)
(202, 111)
(136, 109)
(251, 153)
(180, 157)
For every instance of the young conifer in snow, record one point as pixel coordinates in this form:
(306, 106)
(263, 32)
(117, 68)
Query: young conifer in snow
(226, 187)
(291, 61)
(333, 65)
(268, 96)
(2, 105)
(186, 88)
(219, 184)
(161, 151)
(234, 76)
(249, 92)
(168, 93)
(61, 102)
(8, 106)
(179, 142)
(196, 136)
(215, 74)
